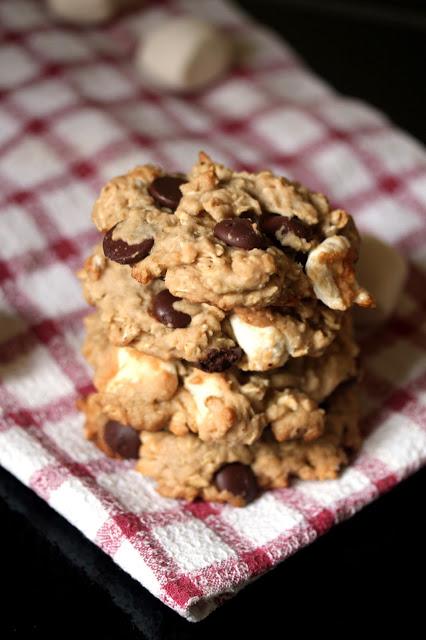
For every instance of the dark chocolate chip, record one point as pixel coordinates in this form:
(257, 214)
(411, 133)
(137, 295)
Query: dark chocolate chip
(238, 479)
(271, 223)
(122, 440)
(301, 257)
(165, 191)
(238, 232)
(298, 256)
(165, 312)
(123, 253)
(249, 215)
(220, 359)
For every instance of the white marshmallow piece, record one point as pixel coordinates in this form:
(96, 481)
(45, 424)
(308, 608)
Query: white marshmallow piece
(383, 272)
(139, 372)
(201, 388)
(265, 347)
(136, 367)
(184, 54)
(325, 268)
(87, 12)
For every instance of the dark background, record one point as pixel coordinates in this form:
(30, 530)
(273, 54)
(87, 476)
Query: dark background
(364, 576)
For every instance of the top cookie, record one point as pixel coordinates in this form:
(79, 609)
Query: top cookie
(230, 239)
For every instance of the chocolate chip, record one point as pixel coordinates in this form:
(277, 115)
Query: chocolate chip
(249, 215)
(165, 191)
(271, 223)
(239, 479)
(123, 253)
(165, 312)
(122, 440)
(220, 359)
(301, 257)
(298, 256)
(238, 232)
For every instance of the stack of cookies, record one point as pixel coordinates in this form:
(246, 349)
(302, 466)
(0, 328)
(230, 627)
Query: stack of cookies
(222, 344)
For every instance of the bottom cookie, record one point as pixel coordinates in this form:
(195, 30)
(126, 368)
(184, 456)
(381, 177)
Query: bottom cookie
(186, 467)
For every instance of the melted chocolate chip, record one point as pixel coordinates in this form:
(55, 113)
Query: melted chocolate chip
(165, 312)
(238, 232)
(271, 223)
(165, 191)
(220, 359)
(238, 479)
(122, 440)
(123, 253)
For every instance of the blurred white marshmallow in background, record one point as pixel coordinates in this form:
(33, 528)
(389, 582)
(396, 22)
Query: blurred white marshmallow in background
(87, 12)
(184, 54)
(383, 272)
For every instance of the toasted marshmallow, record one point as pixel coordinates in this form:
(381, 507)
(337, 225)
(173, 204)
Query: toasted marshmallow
(330, 268)
(203, 386)
(265, 347)
(157, 378)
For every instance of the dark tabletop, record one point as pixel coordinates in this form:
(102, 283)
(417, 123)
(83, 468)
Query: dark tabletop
(364, 575)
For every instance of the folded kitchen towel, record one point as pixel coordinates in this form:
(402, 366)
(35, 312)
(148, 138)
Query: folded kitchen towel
(73, 113)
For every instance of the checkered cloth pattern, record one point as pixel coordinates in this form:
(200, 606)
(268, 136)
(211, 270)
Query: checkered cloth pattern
(74, 113)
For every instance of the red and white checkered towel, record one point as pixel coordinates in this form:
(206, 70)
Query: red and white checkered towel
(74, 113)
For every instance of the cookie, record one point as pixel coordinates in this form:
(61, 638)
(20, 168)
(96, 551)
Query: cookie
(201, 261)
(149, 393)
(188, 468)
(231, 239)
